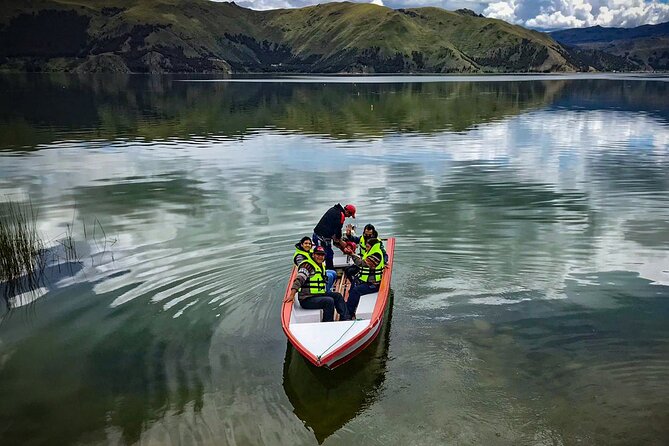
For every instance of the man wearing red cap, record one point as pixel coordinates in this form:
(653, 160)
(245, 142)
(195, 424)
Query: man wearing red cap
(328, 231)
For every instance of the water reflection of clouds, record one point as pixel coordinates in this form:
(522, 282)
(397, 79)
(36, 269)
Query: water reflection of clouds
(560, 150)
(556, 133)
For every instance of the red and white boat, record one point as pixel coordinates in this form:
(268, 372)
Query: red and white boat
(330, 344)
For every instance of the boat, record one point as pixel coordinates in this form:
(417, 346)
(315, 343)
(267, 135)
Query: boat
(330, 344)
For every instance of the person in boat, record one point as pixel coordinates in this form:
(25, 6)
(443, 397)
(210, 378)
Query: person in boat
(310, 282)
(371, 266)
(328, 231)
(368, 233)
(302, 253)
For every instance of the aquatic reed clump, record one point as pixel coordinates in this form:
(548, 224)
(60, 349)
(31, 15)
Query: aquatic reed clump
(28, 263)
(22, 256)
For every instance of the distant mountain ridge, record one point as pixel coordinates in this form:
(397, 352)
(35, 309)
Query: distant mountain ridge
(574, 36)
(203, 36)
(646, 46)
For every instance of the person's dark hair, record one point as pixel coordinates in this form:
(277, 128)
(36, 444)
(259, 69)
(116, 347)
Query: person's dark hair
(375, 234)
(303, 239)
(372, 241)
(369, 227)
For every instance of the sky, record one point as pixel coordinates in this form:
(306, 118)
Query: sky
(538, 14)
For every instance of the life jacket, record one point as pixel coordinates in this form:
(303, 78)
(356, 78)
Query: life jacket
(361, 244)
(315, 284)
(375, 274)
(298, 251)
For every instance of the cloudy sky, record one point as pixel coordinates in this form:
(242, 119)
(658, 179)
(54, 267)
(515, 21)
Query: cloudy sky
(542, 14)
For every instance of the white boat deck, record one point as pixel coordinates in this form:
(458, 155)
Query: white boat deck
(321, 338)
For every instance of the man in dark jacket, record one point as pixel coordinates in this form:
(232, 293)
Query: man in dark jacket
(328, 231)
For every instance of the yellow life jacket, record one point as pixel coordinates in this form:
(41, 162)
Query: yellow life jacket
(366, 272)
(315, 284)
(299, 251)
(361, 244)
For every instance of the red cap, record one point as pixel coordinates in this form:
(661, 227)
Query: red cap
(318, 250)
(351, 209)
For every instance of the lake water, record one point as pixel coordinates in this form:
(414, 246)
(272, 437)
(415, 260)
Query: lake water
(530, 284)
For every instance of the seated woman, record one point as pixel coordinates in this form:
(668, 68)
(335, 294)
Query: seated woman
(310, 282)
(371, 266)
(302, 252)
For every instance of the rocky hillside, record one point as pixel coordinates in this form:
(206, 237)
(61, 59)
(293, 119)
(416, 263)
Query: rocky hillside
(646, 46)
(203, 36)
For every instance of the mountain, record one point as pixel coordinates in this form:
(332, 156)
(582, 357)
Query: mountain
(647, 45)
(204, 36)
(575, 36)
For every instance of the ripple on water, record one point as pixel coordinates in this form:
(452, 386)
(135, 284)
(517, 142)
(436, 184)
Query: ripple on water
(215, 274)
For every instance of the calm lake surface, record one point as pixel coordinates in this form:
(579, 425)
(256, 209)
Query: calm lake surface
(530, 284)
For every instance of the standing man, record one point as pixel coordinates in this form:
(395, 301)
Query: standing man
(328, 231)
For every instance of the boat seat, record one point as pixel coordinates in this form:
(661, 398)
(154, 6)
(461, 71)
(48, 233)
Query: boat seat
(366, 306)
(341, 260)
(301, 315)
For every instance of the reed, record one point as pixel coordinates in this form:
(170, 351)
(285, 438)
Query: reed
(28, 263)
(22, 254)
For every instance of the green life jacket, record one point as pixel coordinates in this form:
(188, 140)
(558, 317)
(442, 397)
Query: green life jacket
(299, 251)
(374, 273)
(315, 284)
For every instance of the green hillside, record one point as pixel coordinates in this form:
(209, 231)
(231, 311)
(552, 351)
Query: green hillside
(204, 36)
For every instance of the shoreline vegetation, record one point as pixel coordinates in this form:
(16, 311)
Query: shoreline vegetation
(201, 36)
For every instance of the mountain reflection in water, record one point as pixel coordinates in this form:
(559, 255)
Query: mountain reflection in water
(118, 107)
(325, 400)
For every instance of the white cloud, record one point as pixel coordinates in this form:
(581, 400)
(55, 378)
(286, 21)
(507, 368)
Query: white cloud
(545, 14)
(271, 4)
(503, 10)
(580, 13)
